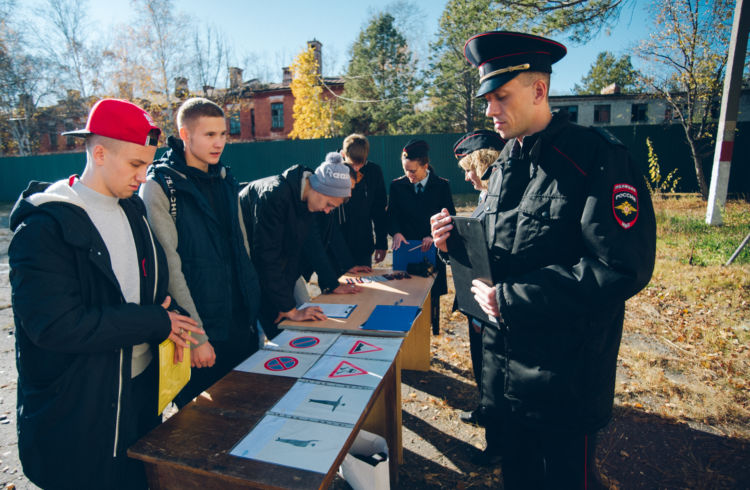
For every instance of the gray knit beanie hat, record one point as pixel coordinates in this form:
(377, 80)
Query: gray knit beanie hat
(331, 178)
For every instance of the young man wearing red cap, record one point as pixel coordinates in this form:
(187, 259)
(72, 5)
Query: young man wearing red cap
(571, 235)
(191, 198)
(89, 298)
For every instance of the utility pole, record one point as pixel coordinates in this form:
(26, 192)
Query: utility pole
(717, 194)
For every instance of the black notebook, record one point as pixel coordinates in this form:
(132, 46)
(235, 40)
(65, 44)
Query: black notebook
(469, 260)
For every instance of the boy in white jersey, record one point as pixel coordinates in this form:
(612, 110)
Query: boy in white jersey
(89, 288)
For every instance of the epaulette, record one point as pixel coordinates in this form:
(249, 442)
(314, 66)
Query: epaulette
(608, 137)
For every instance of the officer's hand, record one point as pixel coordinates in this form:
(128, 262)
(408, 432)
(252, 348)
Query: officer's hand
(306, 314)
(202, 356)
(379, 256)
(484, 295)
(440, 227)
(426, 243)
(347, 289)
(398, 240)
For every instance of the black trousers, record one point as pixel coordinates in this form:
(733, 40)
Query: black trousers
(541, 459)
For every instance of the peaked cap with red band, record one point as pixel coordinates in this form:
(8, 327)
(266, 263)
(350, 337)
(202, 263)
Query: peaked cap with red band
(477, 140)
(501, 55)
(120, 120)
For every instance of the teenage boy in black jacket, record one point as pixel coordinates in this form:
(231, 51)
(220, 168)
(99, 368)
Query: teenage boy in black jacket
(365, 211)
(277, 213)
(89, 297)
(191, 198)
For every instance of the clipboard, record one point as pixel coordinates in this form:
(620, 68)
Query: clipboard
(469, 260)
(410, 252)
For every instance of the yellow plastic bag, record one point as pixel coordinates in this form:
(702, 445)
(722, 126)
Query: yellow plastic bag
(172, 377)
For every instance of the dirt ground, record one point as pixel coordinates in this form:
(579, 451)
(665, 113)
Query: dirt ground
(638, 449)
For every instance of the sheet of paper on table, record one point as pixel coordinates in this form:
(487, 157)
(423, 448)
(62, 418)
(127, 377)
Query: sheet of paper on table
(301, 341)
(311, 400)
(332, 310)
(362, 372)
(365, 347)
(291, 365)
(303, 444)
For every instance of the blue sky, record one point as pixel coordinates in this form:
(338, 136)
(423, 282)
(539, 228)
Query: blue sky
(278, 30)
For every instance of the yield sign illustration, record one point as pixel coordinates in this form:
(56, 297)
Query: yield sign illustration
(346, 368)
(362, 347)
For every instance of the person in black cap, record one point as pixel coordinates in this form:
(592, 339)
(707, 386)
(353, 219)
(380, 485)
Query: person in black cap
(476, 151)
(90, 302)
(277, 212)
(571, 234)
(413, 198)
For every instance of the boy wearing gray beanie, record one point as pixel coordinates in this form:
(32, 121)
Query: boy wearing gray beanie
(277, 213)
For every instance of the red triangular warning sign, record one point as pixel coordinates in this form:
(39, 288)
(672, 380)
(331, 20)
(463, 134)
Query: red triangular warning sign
(346, 369)
(361, 347)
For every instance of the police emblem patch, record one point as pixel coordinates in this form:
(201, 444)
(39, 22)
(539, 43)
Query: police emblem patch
(625, 204)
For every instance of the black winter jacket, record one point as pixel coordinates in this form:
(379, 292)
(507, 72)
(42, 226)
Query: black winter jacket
(326, 252)
(365, 211)
(211, 246)
(74, 336)
(572, 235)
(277, 223)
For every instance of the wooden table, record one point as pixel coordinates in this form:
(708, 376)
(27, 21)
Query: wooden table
(414, 291)
(191, 449)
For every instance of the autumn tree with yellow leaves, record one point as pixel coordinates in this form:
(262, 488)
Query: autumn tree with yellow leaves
(312, 113)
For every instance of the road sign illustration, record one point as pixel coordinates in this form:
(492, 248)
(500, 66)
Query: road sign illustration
(362, 347)
(346, 368)
(325, 400)
(278, 363)
(297, 442)
(334, 404)
(304, 342)
(281, 363)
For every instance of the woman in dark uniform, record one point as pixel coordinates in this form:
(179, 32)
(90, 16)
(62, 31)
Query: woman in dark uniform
(476, 152)
(413, 198)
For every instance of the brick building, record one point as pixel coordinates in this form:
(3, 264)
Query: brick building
(255, 111)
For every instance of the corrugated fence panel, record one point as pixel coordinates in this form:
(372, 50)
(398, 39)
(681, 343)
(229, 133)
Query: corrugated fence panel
(250, 161)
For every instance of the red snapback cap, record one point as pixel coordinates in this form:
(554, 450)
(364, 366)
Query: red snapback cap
(121, 120)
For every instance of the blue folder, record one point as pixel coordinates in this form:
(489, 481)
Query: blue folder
(404, 256)
(395, 318)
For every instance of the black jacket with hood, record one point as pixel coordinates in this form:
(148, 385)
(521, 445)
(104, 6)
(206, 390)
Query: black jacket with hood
(211, 274)
(277, 221)
(74, 336)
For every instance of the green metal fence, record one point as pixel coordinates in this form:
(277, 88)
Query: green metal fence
(250, 161)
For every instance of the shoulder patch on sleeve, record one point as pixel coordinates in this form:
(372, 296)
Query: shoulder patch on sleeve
(625, 205)
(607, 136)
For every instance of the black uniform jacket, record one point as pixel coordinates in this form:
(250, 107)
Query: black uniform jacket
(74, 337)
(409, 213)
(571, 231)
(363, 212)
(277, 222)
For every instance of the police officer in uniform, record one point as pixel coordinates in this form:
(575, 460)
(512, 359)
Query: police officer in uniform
(571, 233)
